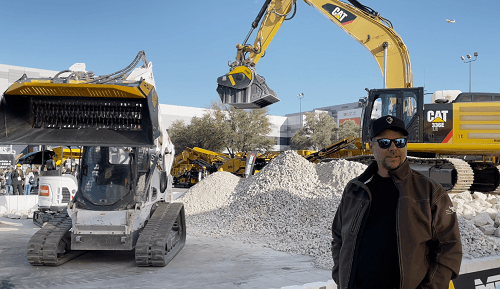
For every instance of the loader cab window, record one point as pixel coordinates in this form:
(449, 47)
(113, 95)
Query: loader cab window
(119, 156)
(106, 173)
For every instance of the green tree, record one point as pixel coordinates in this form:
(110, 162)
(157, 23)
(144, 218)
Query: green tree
(203, 132)
(319, 131)
(247, 130)
(348, 128)
(224, 127)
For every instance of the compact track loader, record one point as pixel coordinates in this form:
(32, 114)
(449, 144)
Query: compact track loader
(124, 173)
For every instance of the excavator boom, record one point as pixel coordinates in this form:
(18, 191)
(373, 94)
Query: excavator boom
(242, 87)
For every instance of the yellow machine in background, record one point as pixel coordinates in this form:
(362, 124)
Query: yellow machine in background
(453, 140)
(194, 164)
(72, 154)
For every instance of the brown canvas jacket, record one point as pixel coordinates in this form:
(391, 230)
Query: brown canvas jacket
(429, 245)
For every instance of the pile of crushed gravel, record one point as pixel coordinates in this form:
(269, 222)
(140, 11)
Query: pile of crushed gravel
(289, 206)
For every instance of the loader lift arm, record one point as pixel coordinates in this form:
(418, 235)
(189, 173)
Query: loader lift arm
(243, 88)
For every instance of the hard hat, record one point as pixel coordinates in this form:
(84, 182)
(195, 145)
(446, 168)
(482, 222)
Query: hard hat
(18, 165)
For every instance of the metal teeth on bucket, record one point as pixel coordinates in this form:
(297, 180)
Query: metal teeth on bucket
(116, 115)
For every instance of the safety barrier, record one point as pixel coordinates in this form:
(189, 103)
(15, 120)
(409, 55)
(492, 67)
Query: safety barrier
(18, 203)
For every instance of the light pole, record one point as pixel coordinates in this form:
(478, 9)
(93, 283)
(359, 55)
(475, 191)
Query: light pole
(300, 96)
(470, 62)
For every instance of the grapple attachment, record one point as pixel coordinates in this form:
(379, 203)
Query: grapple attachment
(243, 88)
(118, 112)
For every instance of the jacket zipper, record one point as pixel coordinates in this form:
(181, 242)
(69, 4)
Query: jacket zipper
(353, 227)
(356, 217)
(401, 277)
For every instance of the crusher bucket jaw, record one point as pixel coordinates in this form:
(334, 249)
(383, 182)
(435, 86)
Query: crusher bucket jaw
(119, 109)
(244, 89)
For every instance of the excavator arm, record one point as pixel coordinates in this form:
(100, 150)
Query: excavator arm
(242, 87)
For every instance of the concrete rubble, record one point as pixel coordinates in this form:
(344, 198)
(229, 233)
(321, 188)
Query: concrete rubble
(23, 214)
(289, 206)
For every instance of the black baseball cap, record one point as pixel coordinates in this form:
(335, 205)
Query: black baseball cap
(388, 122)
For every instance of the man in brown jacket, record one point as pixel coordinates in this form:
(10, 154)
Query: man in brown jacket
(394, 228)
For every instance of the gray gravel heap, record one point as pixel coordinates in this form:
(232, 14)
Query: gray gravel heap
(289, 206)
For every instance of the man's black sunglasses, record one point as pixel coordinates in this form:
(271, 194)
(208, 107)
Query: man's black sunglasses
(385, 143)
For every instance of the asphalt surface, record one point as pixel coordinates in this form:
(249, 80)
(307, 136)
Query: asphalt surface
(204, 262)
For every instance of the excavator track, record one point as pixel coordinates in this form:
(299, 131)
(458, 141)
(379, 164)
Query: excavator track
(497, 190)
(51, 244)
(163, 237)
(465, 174)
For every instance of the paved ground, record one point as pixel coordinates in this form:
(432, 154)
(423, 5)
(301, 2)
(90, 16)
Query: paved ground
(204, 262)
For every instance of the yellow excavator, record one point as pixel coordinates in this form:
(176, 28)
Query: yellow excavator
(454, 140)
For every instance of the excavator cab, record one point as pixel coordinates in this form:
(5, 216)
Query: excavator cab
(404, 103)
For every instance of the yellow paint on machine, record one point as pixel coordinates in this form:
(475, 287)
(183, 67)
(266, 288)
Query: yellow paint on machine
(145, 87)
(242, 69)
(456, 148)
(232, 80)
(74, 89)
(476, 124)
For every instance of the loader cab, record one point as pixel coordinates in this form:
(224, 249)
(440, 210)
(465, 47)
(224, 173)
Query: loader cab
(109, 177)
(404, 103)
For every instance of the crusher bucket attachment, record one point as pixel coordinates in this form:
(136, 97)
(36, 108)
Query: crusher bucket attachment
(119, 109)
(242, 88)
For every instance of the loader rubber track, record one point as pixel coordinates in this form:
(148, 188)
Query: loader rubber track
(40, 218)
(163, 237)
(51, 244)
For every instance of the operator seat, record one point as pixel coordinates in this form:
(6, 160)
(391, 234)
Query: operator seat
(51, 167)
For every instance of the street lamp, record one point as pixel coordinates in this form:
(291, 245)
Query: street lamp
(300, 96)
(470, 62)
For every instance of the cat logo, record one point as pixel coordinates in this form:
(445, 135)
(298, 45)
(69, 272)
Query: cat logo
(341, 15)
(437, 118)
(493, 282)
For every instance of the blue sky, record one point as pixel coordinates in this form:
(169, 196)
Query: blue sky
(191, 42)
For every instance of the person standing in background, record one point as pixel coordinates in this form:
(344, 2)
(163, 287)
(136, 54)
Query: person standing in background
(29, 180)
(17, 180)
(8, 180)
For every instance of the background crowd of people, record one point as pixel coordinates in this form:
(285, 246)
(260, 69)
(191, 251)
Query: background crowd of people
(19, 180)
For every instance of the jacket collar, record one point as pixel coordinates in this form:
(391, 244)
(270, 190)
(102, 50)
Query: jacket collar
(402, 172)
(398, 174)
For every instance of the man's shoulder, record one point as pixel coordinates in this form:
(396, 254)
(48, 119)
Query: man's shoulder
(432, 186)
